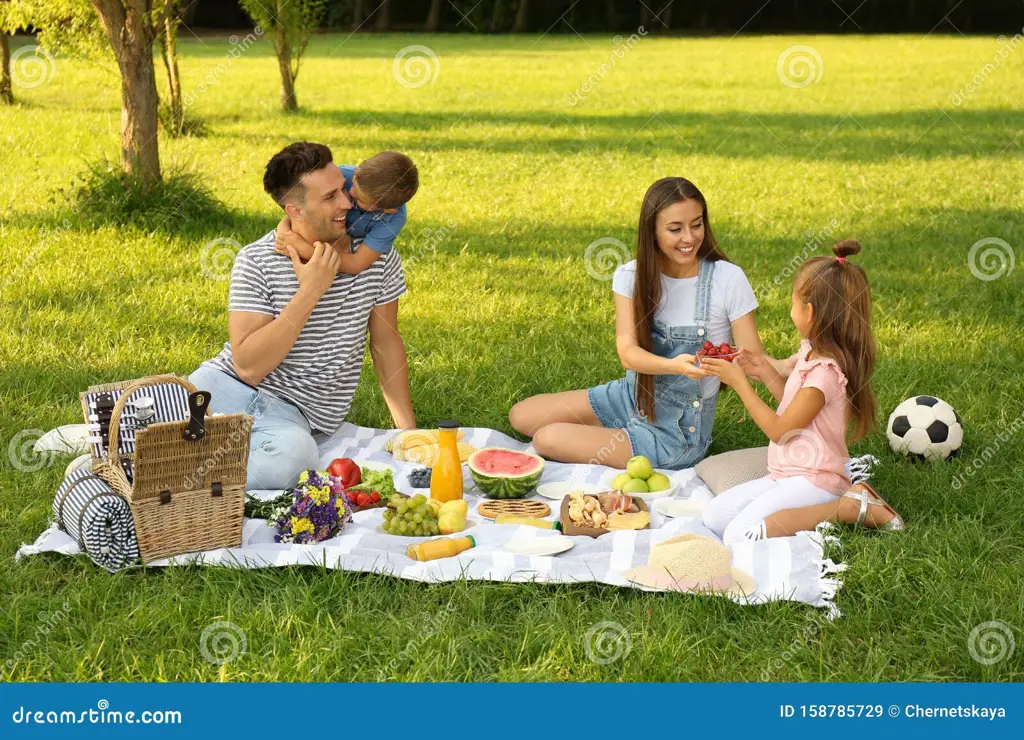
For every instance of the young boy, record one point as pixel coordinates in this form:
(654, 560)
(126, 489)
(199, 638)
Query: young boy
(379, 189)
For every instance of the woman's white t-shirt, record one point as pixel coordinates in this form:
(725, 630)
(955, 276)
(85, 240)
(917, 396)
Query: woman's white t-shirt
(731, 298)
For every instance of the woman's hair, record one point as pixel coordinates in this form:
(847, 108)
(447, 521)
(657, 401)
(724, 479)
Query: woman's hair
(841, 325)
(647, 286)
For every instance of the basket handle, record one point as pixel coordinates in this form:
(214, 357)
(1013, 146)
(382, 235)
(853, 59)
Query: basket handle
(115, 416)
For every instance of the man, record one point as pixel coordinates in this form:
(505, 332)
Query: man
(298, 329)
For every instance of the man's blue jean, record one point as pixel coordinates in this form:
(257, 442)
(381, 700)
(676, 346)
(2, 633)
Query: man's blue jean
(282, 445)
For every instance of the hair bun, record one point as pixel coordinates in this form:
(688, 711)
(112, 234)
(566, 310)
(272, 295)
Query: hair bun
(846, 247)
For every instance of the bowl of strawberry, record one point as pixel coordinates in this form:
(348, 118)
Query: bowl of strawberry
(720, 351)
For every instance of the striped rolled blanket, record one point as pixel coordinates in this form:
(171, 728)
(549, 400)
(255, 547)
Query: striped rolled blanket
(98, 518)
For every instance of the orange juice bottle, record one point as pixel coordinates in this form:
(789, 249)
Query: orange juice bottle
(446, 477)
(443, 547)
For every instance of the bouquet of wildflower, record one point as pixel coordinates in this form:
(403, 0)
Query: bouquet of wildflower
(315, 511)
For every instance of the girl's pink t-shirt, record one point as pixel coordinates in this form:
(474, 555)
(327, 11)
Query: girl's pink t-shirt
(818, 451)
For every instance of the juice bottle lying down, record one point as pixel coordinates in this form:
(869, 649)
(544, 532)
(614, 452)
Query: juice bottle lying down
(443, 547)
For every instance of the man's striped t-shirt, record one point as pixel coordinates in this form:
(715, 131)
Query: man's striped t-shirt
(321, 372)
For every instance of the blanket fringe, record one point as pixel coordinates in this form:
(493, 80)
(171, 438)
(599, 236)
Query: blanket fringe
(859, 468)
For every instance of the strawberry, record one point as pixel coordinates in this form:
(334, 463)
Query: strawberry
(708, 345)
(725, 349)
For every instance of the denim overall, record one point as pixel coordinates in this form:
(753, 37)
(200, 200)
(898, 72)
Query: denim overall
(681, 432)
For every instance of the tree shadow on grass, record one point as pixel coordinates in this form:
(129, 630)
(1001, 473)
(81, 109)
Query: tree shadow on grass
(868, 137)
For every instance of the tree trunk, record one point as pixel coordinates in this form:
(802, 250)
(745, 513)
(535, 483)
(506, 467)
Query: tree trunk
(6, 93)
(611, 18)
(284, 62)
(496, 16)
(434, 17)
(169, 47)
(384, 16)
(357, 15)
(129, 28)
(666, 16)
(645, 16)
(522, 17)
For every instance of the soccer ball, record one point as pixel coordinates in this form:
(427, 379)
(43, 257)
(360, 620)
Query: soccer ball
(925, 428)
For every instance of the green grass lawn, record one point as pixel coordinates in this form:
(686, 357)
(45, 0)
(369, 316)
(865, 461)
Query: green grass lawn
(500, 306)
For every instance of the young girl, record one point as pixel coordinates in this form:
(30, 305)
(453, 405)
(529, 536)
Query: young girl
(830, 385)
(679, 292)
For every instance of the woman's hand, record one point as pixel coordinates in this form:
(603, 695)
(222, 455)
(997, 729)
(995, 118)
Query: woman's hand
(729, 373)
(752, 363)
(686, 365)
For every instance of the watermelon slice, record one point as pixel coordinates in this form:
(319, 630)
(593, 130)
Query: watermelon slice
(502, 473)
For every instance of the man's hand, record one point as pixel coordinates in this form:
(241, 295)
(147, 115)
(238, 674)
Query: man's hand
(315, 277)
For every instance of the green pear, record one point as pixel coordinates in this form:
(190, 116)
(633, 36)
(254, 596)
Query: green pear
(636, 485)
(658, 482)
(620, 480)
(639, 467)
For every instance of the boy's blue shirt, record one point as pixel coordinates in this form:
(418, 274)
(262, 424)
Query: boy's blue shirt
(374, 229)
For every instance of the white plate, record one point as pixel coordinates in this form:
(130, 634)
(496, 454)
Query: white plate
(679, 508)
(558, 491)
(540, 546)
(610, 478)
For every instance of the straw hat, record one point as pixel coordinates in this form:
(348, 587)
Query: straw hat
(692, 562)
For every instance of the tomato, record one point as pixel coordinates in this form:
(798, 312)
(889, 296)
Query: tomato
(375, 497)
(347, 470)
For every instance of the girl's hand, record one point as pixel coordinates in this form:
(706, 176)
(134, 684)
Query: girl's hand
(283, 236)
(753, 364)
(686, 365)
(729, 373)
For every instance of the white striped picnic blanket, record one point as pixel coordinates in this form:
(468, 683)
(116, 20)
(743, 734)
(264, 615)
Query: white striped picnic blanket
(789, 568)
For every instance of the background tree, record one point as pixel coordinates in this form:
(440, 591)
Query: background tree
(290, 23)
(433, 24)
(522, 17)
(383, 16)
(358, 11)
(174, 111)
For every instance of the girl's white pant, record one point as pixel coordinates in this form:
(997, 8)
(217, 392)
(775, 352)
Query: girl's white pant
(734, 511)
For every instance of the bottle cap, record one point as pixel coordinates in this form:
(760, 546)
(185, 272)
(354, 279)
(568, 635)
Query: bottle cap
(471, 539)
(448, 424)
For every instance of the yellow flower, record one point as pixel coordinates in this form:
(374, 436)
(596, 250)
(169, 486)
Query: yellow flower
(320, 496)
(301, 524)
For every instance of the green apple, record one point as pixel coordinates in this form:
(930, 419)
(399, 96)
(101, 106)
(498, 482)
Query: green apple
(620, 480)
(639, 467)
(635, 485)
(658, 482)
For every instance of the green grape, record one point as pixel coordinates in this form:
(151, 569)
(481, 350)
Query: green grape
(418, 518)
(401, 508)
(419, 531)
(434, 529)
(388, 514)
(386, 527)
(419, 499)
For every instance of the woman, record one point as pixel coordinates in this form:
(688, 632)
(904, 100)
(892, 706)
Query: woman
(679, 292)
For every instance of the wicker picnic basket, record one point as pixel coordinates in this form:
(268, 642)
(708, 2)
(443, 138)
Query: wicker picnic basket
(186, 495)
